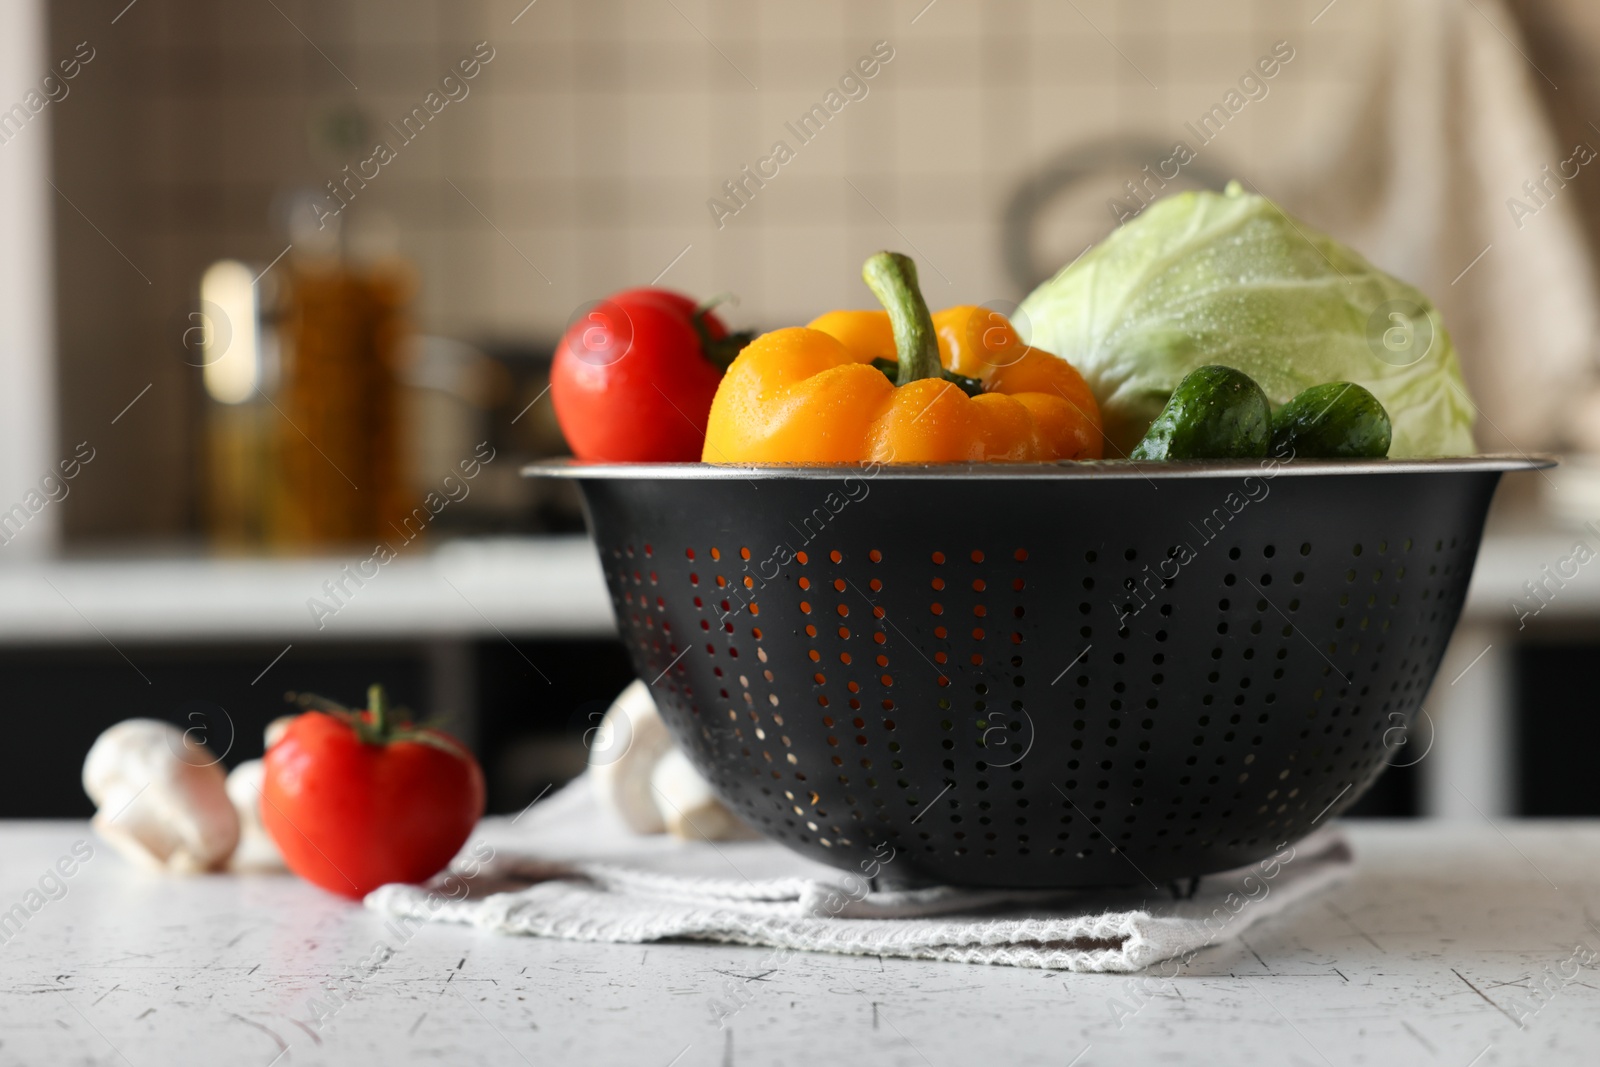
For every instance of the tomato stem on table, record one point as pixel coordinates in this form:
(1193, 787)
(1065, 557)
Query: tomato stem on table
(378, 704)
(380, 723)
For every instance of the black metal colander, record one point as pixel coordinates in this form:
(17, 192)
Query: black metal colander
(1052, 675)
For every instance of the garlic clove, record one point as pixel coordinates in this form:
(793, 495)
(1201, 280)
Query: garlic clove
(623, 750)
(689, 807)
(275, 729)
(257, 853)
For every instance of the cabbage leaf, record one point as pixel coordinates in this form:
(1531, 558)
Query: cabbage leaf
(1202, 278)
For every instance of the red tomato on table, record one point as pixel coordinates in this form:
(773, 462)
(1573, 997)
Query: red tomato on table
(355, 801)
(633, 378)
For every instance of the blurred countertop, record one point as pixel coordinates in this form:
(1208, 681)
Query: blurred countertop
(522, 587)
(514, 587)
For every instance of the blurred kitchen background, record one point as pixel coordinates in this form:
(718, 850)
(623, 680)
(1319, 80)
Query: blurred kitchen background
(275, 342)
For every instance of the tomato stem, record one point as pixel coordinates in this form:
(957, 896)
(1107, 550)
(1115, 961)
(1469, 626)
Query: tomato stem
(378, 705)
(380, 724)
(892, 277)
(720, 351)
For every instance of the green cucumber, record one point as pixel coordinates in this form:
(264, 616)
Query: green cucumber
(1336, 420)
(1214, 413)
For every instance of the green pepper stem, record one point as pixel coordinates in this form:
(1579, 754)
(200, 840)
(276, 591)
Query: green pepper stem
(892, 278)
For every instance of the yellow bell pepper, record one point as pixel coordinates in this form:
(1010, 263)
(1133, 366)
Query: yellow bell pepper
(966, 388)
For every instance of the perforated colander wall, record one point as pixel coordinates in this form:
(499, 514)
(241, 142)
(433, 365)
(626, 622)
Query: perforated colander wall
(1036, 683)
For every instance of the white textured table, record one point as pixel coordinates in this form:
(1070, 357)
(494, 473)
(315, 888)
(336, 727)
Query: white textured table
(1431, 954)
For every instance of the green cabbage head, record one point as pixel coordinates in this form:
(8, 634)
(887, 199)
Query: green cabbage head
(1203, 278)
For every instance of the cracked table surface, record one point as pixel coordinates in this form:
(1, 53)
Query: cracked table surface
(1466, 944)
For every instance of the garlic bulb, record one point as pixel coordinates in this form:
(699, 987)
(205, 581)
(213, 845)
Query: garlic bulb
(161, 797)
(623, 750)
(640, 774)
(691, 810)
(256, 851)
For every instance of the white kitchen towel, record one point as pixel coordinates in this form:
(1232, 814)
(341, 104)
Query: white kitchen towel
(568, 872)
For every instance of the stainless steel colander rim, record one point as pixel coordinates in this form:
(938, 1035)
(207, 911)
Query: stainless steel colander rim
(1066, 470)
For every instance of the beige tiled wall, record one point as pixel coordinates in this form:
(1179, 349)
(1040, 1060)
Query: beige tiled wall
(610, 125)
(590, 144)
